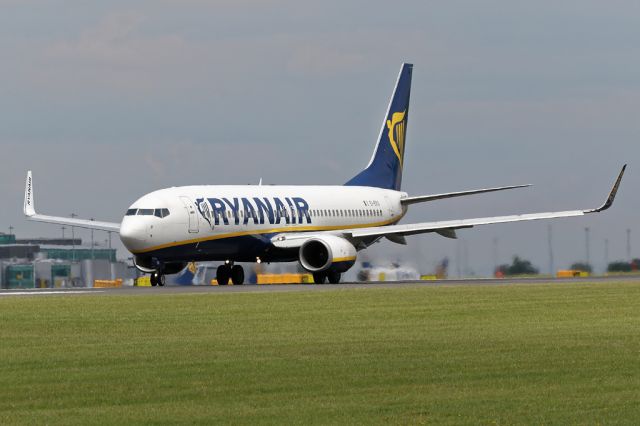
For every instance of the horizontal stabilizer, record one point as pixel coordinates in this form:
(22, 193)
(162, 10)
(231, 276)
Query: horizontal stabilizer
(424, 198)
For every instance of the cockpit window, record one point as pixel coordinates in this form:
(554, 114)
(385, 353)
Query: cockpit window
(149, 212)
(162, 213)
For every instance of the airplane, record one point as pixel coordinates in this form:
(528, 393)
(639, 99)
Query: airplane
(322, 227)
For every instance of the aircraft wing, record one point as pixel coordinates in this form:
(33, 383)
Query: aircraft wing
(448, 227)
(30, 212)
(451, 225)
(396, 233)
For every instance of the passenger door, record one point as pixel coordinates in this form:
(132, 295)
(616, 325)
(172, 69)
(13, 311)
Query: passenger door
(192, 213)
(389, 206)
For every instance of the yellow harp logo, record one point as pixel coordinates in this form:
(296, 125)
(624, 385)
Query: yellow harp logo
(396, 128)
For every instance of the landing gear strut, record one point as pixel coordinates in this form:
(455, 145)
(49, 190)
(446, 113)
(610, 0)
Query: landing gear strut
(228, 271)
(321, 277)
(334, 277)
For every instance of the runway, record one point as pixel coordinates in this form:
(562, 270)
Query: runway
(252, 288)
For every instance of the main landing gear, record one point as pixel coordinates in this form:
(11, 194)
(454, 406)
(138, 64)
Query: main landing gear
(230, 271)
(157, 279)
(321, 277)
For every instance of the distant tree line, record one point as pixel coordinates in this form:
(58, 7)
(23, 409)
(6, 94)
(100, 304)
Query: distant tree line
(581, 266)
(518, 267)
(622, 266)
(521, 266)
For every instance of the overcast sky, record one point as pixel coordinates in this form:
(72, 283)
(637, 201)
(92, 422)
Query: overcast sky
(106, 101)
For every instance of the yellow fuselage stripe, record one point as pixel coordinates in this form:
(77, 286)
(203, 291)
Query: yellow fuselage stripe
(344, 259)
(267, 231)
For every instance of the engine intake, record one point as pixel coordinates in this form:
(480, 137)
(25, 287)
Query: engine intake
(327, 252)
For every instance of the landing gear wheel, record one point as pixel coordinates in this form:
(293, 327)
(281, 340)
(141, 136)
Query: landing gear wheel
(222, 274)
(157, 279)
(334, 277)
(319, 277)
(237, 275)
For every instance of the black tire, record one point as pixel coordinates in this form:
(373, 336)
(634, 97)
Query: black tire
(237, 275)
(222, 274)
(334, 277)
(161, 280)
(319, 277)
(153, 279)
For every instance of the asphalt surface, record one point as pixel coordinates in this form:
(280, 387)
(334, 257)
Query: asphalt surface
(251, 288)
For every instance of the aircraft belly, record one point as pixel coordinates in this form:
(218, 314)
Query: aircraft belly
(241, 249)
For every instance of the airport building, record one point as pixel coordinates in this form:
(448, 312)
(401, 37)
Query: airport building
(56, 263)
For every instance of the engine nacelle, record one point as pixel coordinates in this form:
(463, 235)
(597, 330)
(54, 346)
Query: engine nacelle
(327, 252)
(148, 266)
(144, 264)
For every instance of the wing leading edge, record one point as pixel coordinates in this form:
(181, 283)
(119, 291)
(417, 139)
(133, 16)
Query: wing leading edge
(452, 225)
(30, 212)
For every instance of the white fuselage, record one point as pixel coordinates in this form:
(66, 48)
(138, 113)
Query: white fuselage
(237, 222)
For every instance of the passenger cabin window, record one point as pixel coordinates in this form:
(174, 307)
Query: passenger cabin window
(131, 212)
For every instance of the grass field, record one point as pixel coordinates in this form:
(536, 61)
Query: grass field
(532, 354)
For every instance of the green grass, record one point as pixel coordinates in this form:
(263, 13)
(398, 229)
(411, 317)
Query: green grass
(533, 354)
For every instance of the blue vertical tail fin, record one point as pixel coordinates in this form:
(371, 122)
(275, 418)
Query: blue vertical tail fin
(385, 168)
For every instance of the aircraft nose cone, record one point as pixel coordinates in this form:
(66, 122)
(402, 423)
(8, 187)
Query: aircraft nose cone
(133, 234)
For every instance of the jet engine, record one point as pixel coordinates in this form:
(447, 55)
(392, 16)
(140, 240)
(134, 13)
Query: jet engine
(148, 266)
(327, 252)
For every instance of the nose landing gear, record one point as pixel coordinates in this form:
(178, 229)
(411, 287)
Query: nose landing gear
(230, 271)
(157, 279)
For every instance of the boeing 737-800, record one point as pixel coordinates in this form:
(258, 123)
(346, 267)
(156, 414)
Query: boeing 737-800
(322, 227)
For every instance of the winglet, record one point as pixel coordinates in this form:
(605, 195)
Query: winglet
(612, 194)
(29, 207)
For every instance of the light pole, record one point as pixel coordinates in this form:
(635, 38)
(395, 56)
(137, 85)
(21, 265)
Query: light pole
(92, 257)
(495, 255)
(63, 228)
(586, 244)
(465, 257)
(11, 228)
(550, 241)
(110, 259)
(73, 239)
(458, 269)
